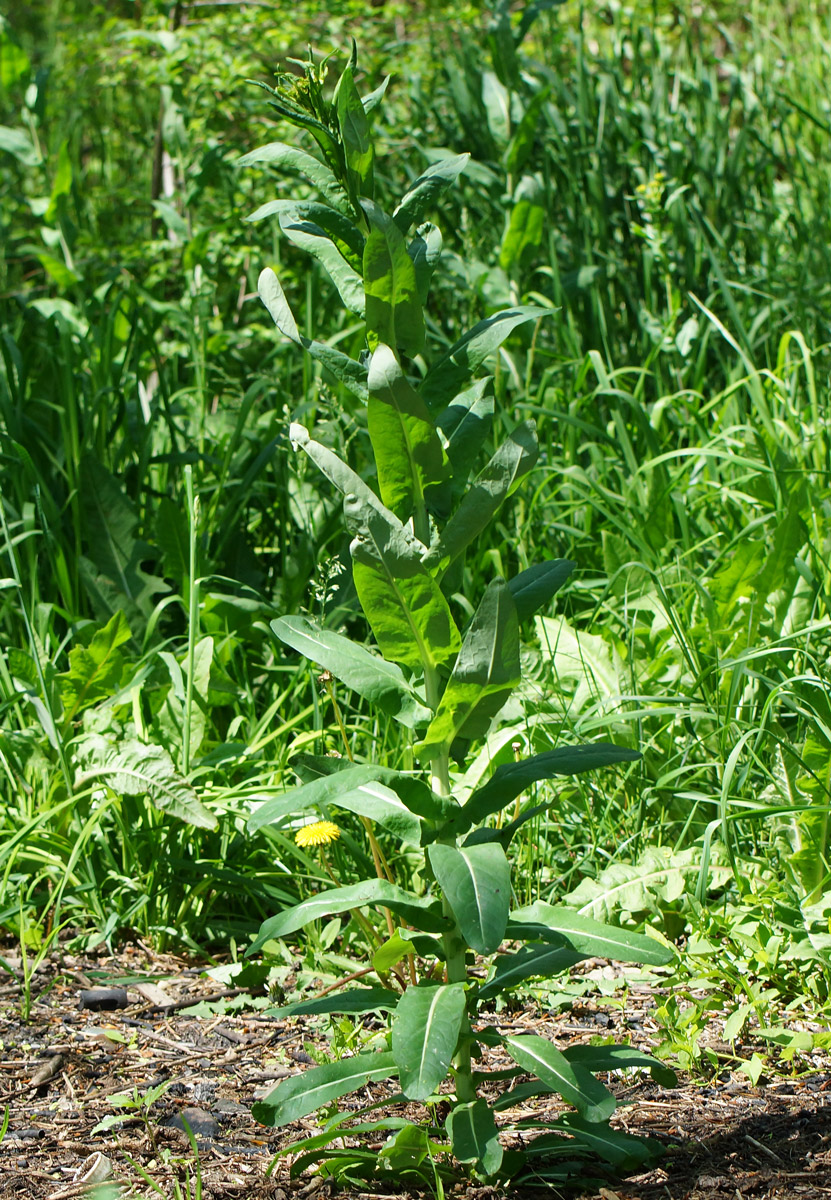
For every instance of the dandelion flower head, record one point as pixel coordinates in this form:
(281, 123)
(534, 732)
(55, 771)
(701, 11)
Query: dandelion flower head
(319, 834)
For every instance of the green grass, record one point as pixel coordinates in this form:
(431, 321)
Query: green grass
(682, 172)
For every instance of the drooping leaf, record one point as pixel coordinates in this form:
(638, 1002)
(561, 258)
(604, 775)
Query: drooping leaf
(344, 478)
(587, 936)
(358, 148)
(474, 1137)
(421, 911)
(394, 313)
(535, 586)
(424, 192)
(476, 882)
(351, 374)
(134, 768)
(371, 791)
(315, 241)
(380, 682)
(573, 1082)
(486, 671)
(620, 1058)
(94, 670)
(622, 1150)
(404, 605)
(534, 961)
(302, 1094)
(390, 953)
(491, 487)
(291, 158)
(413, 469)
(450, 373)
(342, 232)
(424, 1035)
(509, 780)
(351, 1000)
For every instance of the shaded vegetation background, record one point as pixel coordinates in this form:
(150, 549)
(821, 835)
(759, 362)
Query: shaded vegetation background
(657, 173)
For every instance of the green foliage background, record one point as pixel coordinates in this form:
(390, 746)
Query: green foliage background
(660, 178)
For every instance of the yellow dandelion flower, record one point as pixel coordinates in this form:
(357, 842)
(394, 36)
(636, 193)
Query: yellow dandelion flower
(319, 834)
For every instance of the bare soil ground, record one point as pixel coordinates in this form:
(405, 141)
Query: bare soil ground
(58, 1070)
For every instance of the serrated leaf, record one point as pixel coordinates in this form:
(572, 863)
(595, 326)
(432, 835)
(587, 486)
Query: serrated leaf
(476, 882)
(409, 615)
(394, 313)
(574, 1083)
(379, 681)
(449, 374)
(351, 374)
(425, 1031)
(589, 937)
(534, 961)
(134, 768)
(300, 1095)
(491, 487)
(423, 912)
(94, 670)
(474, 1137)
(486, 671)
(413, 469)
(425, 191)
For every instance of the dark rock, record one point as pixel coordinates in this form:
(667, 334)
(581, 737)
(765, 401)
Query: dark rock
(202, 1124)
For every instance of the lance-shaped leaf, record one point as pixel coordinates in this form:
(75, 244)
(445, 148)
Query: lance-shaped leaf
(394, 314)
(424, 1035)
(350, 373)
(508, 781)
(343, 477)
(371, 791)
(380, 682)
(622, 1150)
(466, 423)
(300, 1095)
(587, 936)
(449, 374)
(474, 1137)
(574, 1083)
(377, 892)
(413, 470)
(476, 882)
(353, 1000)
(486, 671)
(620, 1058)
(315, 241)
(338, 228)
(511, 462)
(425, 251)
(534, 587)
(422, 195)
(290, 158)
(402, 943)
(355, 136)
(404, 605)
(535, 961)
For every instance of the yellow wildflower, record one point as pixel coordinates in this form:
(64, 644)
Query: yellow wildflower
(318, 834)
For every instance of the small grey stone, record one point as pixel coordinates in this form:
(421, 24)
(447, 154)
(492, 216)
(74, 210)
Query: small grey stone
(202, 1124)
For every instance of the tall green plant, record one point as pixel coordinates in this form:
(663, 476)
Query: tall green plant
(445, 683)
